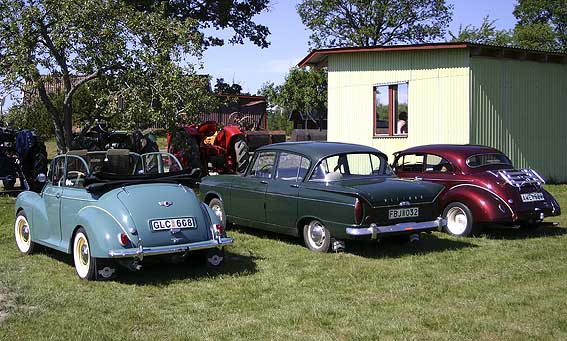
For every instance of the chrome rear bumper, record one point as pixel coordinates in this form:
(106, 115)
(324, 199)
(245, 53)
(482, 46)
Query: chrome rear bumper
(375, 231)
(142, 251)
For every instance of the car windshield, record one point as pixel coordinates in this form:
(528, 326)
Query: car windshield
(351, 165)
(122, 163)
(491, 159)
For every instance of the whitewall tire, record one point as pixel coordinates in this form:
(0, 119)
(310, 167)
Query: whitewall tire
(85, 263)
(22, 234)
(459, 219)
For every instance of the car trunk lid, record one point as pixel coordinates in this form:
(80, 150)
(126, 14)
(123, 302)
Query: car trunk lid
(172, 214)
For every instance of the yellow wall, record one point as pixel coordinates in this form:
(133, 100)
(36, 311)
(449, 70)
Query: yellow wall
(438, 96)
(520, 107)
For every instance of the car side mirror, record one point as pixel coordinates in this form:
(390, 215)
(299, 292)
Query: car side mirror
(41, 178)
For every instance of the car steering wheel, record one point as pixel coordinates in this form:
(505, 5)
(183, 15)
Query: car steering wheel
(77, 176)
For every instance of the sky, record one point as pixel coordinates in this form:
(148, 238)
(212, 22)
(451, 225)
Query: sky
(251, 66)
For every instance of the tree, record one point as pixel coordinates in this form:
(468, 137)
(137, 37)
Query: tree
(337, 23)
(304, 90)
(542, 24)
(236, 15)
(221, 87)
(487, 33)
(120, 42)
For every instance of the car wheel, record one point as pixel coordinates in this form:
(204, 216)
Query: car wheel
(218, 209)
(22, 234)
(215, 257)
(316, 236)
(459, 219)
(85, 263)
(8, 184)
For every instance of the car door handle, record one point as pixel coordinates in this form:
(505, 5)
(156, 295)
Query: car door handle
(294, 185)
(417, 178)
(264, 182)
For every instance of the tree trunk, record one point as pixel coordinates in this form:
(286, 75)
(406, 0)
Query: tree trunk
(68, 121)
(62, 145)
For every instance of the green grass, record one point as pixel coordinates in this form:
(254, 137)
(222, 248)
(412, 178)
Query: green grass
(506, 284)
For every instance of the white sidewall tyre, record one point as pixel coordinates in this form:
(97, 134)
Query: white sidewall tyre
(24, 244)
(82, 261)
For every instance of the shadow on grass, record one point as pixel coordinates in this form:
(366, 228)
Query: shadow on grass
(400, 247)
(383, 248)
(158, 271)
(512, 233)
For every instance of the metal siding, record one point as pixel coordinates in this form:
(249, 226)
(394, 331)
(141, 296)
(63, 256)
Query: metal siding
(438, 96)
(519, 107)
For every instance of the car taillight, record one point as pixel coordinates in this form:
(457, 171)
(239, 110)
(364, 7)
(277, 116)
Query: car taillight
(123, 239)
(218, 229)
(358, 212)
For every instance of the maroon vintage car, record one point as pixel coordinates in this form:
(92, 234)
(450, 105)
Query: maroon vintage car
(481, 186)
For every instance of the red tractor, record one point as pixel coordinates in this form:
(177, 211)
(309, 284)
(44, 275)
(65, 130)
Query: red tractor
(197, 146)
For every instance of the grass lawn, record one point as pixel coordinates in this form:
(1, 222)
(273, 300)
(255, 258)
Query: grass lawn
(505, 284)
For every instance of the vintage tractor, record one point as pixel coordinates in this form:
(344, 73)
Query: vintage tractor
(22, 156)
(203, 146)
(97, 135)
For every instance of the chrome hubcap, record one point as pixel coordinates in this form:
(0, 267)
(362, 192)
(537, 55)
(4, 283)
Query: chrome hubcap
(317, 234)
(456, 220)
(84, 254)
(25, 233)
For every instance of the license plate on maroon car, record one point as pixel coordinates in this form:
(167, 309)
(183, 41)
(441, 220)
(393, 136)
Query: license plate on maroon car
(530, 197)
(172, 223)
(401, 213)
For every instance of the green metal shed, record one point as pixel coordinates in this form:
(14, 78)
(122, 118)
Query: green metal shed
(511, 99)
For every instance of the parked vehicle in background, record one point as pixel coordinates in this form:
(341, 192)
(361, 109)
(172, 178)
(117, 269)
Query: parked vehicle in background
(325, 192)
(109, 208)
(224, 151)
(98, 135)
(22, 156)
(198, 145)
(482, 186)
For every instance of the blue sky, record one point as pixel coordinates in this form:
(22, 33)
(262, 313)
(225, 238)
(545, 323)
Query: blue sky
(251, 66)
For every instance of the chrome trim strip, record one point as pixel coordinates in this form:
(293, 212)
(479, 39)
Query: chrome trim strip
(77, 199)
(163, 250)
(374, 230)
(107, 212)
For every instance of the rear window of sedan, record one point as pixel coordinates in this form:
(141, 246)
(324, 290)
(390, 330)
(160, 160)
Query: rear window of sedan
(351, 165)
(491, 159)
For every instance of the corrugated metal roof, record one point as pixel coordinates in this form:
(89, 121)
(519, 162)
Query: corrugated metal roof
(319, 57)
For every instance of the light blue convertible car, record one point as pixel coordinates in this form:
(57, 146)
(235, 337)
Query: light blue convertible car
(118, 207)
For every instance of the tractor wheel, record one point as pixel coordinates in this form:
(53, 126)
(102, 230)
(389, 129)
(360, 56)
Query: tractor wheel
(194, 153)
(8, 184)
(241, 154)
(39, 167)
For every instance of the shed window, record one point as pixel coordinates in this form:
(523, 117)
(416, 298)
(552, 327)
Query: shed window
(391, 109)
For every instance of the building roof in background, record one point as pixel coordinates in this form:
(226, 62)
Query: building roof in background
(319, 57)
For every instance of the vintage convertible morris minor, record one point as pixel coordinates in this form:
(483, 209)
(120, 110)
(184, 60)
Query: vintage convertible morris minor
(323, 191)
(115, 207)
(482, 186)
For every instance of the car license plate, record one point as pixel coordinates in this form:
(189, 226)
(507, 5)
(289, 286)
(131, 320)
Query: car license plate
(172, 223)
(531, 197)
(400, 213)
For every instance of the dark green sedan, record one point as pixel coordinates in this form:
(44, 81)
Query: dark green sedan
(326, 192)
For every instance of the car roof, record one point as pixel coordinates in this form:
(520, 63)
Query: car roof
(316, 150)
(451, 152)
